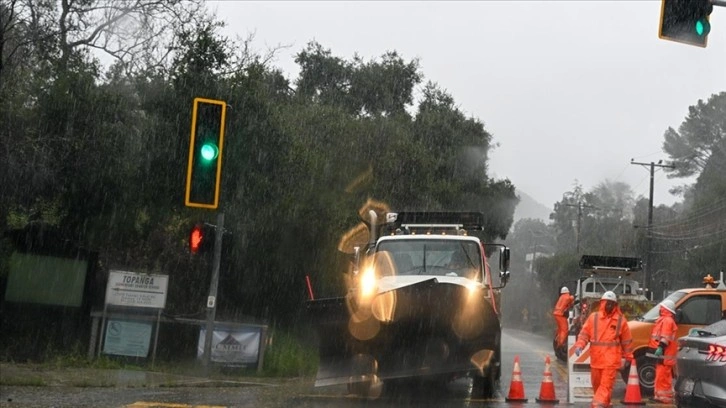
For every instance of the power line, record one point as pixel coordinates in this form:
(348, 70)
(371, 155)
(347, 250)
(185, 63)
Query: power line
(685, 237)
(707, 244)
(693, 216)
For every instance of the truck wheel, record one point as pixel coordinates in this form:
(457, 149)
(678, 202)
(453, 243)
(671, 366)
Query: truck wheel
(485, 386)
(646, 374)
(560, 352)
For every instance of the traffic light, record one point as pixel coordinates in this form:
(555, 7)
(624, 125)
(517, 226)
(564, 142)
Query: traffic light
(685, 21)
(201, 238)
(204, 171)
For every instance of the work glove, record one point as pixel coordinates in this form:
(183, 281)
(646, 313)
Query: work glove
(578, 351)
(658, 351)
(624, 363)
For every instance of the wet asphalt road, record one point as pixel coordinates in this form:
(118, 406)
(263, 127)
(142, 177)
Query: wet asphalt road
(300, 393)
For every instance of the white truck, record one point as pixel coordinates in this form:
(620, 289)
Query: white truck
(600, 274)
(420, 305)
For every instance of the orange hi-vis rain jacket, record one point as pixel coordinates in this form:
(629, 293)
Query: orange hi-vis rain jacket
(560, 313)
(563, 304)
(664, 332)
(609, 338)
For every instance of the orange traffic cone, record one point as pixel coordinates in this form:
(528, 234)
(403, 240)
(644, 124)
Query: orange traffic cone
(547, 389)
(516, 387)
(632, 389)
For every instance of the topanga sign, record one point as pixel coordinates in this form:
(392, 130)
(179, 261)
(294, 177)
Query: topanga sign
(135, 289)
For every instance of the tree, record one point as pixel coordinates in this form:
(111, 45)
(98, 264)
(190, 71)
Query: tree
(386, 87)
(689, 241)
(565, 218)
(596, 222)
(692, 146)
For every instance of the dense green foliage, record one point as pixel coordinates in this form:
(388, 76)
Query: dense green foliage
(102, 154)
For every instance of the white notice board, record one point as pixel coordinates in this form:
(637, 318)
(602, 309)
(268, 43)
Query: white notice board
(579, 385)
(136, 289)
(232, 346)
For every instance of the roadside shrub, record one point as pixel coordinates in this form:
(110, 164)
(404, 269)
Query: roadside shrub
(286, 355)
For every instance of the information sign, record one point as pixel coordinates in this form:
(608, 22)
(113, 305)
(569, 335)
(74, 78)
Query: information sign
(136, 289)
(127, 338)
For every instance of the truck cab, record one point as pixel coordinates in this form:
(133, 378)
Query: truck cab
(612, 273)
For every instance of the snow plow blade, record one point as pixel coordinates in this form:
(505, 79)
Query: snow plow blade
(428, 329)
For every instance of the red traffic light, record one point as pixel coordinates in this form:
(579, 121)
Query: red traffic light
(201, 238)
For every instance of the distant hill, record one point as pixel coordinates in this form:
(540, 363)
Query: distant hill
(528, 207)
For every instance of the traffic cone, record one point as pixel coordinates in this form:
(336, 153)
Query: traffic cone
(547, 388)
(632, 389)
(516, 387)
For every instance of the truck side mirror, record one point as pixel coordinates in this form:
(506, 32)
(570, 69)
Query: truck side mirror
(504, 260)
(504, 278)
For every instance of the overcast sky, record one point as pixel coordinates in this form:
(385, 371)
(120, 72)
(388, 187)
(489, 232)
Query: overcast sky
(570, 90)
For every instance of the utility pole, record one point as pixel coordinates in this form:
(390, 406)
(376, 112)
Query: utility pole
(579, 206)
(649, 233)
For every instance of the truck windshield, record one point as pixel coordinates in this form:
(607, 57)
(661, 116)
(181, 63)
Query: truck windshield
(652, 314)
(443, 257)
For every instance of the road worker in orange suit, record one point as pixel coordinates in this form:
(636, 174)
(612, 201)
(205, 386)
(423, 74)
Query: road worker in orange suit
(664, 348)
(610, 347)
(561, 312)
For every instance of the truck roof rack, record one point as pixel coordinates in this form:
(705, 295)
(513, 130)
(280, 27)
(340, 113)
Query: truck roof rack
(614, 263)
(472, 221)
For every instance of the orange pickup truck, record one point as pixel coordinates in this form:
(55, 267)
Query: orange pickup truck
(696, 307)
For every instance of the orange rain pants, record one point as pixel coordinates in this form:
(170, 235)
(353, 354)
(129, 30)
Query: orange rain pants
(603, 382)
(664, 383)
(561, 329)
(664, 331)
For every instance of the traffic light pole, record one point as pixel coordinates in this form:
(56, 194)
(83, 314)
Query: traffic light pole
(212, 299)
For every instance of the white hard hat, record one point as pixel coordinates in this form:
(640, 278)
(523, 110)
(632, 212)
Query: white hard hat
(609, 295)
(564, 290)
(669, 305)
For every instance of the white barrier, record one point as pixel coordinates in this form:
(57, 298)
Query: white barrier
(579, 386)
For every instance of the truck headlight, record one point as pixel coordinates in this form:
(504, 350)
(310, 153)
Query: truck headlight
(368, 283)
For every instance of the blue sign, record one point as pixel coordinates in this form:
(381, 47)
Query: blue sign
(127, 338)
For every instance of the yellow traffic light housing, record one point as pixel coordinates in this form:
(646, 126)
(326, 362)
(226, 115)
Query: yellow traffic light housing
(206, 143)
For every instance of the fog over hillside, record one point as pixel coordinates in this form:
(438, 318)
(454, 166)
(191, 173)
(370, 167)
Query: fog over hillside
(529, 208)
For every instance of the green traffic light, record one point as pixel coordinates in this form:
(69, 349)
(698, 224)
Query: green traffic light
(702, 27)
(209, 151)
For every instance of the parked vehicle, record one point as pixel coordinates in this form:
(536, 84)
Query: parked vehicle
(701, 367)
(695, 308)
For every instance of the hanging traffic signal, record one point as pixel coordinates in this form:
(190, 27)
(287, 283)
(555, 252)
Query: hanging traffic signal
(685, 21)
(204, 170)
(201, 238)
